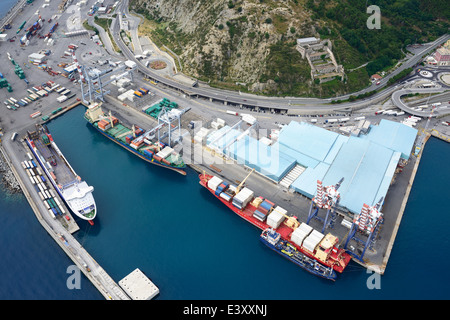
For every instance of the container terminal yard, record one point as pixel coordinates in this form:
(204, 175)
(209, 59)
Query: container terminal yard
(344, 170)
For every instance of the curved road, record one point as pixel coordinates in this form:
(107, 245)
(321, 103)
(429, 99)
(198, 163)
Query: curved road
(396, 99)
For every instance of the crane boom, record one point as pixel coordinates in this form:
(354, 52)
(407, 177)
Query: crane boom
(243, 181)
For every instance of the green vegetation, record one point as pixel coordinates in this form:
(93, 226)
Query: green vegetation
(88, 27)
(105, 23)
(399, 76)
(287, 68)
(403, 22)
(360, 50)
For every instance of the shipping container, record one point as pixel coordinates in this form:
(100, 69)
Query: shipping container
(234, 113)
(214, 182)
(35, 114)
(276, 217)
(53, 176)
(50, 212)
(311, 242)
(301, 233)
(61, 99)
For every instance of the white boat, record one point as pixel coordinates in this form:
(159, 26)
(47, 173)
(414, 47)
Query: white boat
(73, 190)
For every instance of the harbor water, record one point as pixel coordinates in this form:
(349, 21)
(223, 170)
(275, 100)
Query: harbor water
(193, 247)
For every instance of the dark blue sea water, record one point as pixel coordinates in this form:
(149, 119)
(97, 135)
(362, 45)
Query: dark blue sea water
(192, 247)
(5, 5)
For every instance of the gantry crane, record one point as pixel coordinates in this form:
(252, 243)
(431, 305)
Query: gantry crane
(422, 135)
(326, 198)
(94, 80)
(367, 223)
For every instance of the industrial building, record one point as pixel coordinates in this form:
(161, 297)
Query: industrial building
(304, 153)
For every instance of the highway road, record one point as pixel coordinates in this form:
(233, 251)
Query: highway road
(396, 99)
(280, 103)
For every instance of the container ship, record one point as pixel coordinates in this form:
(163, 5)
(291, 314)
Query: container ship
(73, 190)
(264, 214)
(134, 139)
(273, 240)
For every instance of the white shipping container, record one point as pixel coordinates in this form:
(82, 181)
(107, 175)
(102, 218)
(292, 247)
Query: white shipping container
(244, 196)
(214, 182)
(275, 218)
(310, 243)
(61, 99)
(301, 233)
(225, 196)
(164, 153)
(51, 214)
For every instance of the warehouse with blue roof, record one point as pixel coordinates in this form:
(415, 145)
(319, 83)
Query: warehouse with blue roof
(366, 162)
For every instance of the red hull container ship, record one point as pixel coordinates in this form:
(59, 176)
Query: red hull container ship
(264, 214)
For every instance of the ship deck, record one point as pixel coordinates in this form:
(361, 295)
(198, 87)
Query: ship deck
(62, 172)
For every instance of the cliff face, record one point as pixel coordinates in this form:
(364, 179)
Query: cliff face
(225, 40)
(252, 42)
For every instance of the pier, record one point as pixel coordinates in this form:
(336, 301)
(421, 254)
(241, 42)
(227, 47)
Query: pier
(62, 236)
(440, 135)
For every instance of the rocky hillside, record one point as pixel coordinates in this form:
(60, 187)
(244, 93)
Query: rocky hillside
(250, 45)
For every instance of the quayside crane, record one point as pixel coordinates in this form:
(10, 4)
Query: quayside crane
(238, 188)
(326, 198)
(366, 224)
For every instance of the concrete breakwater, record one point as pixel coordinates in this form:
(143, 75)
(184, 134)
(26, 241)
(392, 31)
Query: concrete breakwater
(7, 175)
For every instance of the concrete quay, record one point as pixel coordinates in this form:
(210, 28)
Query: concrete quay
(62, 236)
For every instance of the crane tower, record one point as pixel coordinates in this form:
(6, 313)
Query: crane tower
(326, 198)
(367, 223)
